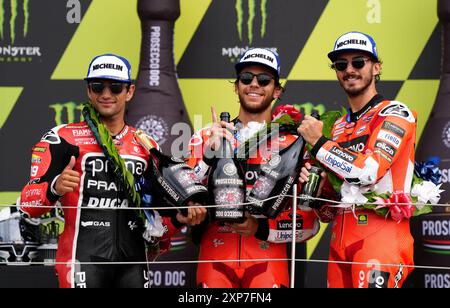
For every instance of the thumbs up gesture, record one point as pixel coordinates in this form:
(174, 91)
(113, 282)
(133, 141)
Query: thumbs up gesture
(69, 179)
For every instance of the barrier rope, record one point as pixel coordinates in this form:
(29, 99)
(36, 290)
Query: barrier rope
(293, 260)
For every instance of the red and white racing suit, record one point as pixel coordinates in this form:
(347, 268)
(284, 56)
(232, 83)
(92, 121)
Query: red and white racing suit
(217, 242)
(94, 231)
(373, 148)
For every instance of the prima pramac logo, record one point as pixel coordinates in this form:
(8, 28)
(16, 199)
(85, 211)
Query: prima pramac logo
(14, 27)
(251, 23)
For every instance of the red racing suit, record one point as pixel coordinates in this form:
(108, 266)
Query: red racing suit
(373, 148)
(93, 230)
(217, 242)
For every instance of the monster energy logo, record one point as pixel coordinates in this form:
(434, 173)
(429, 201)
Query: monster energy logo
(69, 112)
(246, 18)
(13, 17)
(252, 8)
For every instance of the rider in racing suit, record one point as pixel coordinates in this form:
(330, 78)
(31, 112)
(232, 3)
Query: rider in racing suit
(371, 149)
(220, 241)
(91, 233)
(95, 230)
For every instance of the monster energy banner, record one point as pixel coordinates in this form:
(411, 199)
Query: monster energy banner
(184, 67)
(432, 232)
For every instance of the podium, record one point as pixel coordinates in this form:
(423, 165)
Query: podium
(28, 276)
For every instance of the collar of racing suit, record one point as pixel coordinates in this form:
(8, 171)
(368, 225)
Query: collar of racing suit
(355, 116)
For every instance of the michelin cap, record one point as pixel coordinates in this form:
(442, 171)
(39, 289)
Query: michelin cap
(260, 56)
(109, 66)
(354, 41)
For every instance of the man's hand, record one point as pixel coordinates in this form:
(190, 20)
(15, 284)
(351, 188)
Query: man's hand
(196, 215)
(304, 177)
(219, 130)
(68, 180)
(311, 129)
(247, 228)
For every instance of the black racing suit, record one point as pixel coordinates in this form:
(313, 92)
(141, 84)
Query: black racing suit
(95, 231)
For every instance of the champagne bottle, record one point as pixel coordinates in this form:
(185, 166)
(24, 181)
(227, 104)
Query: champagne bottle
(276, 179)
(172, 177)
(226, 184)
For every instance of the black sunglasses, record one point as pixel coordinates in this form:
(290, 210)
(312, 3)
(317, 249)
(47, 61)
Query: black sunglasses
(263, 79)
(115, 87)
(341, 65)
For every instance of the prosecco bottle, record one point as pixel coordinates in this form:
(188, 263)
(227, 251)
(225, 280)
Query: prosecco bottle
(269, 194)
(172, 177)
(226, 183)
(157, 103)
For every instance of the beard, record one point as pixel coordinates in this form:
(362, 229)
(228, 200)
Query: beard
(253, 108)
(356, 91)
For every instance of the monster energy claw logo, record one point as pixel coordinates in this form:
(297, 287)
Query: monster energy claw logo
(15, 8)
(248, 9)
(251, 18)
(69, 112)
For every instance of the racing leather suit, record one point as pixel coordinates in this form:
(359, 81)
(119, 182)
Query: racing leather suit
(372, 148)
(95, 230)
(217, 242)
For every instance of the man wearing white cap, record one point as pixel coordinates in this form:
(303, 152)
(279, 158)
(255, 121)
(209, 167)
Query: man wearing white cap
(258, 238)
(90, 166)
(372, 150)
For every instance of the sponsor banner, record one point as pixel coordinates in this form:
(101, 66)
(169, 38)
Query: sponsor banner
(432, 248)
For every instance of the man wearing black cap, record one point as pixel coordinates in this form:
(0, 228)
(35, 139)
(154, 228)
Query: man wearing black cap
(90, 167)
(372, 150)
(248, 245)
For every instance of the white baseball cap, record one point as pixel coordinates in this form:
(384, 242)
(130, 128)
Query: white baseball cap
(354, 41)
(260, 56)
(109, 66)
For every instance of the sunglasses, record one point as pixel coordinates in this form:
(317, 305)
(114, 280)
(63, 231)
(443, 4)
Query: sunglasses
(263, 79)
(98, 87)
(341, 65)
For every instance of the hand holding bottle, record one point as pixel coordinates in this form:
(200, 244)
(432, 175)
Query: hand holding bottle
(219, 131)
(304, 178)
(196, 214)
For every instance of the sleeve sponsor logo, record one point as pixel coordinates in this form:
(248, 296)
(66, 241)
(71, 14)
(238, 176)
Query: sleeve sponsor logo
(386, 157)
(36, 159)
(337, 163)
(392, 139)
(385, 147)
(356, 145)
(389, 126)
(397, 109)
(39, 149)
(343, 154)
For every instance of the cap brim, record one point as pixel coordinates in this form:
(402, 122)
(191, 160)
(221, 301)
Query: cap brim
(334, 54)
(240, 66)
(108, 78)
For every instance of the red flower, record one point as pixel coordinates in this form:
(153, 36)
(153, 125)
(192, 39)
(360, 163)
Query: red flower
(403, 210)
(290, 110)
